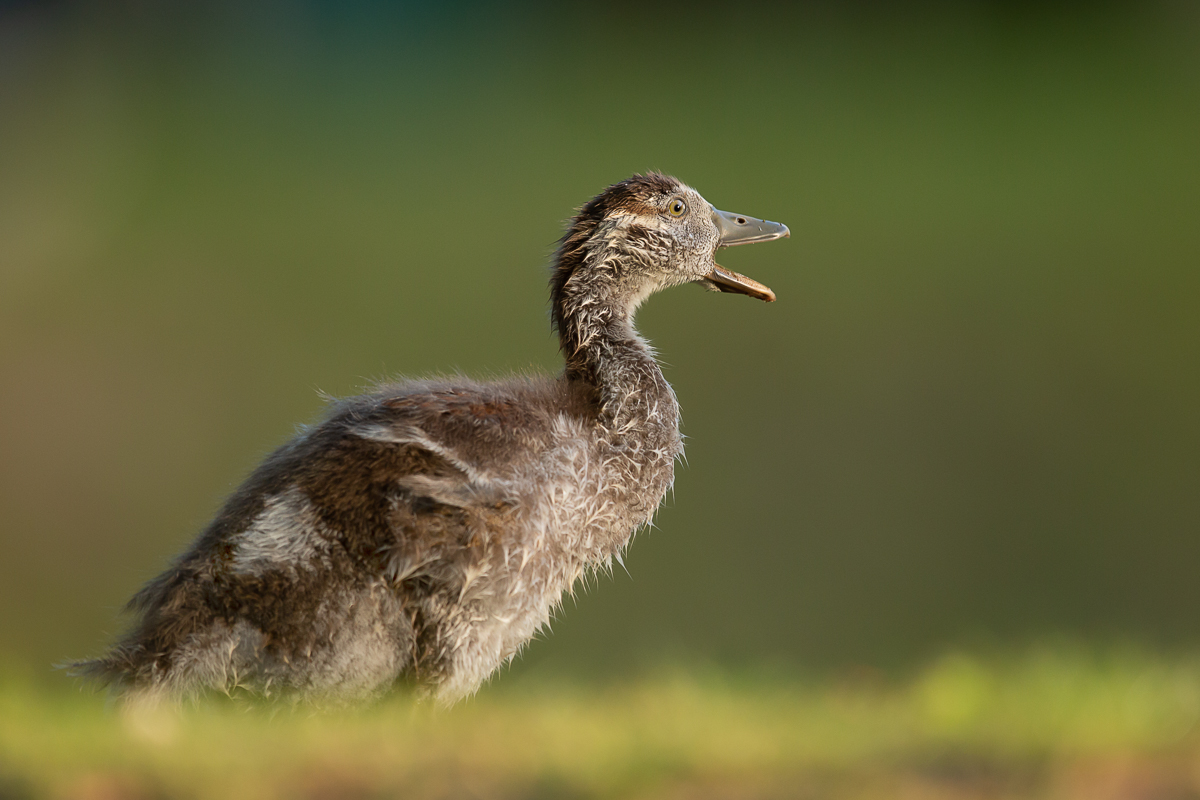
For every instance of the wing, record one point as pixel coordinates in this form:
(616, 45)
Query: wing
(411, 482)
(388, 486)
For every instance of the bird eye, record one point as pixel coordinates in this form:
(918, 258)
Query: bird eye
(677, 208)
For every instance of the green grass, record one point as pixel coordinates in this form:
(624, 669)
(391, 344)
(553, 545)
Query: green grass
(1050, 723)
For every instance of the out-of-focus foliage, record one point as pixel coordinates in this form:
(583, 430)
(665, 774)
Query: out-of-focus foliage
(1055, 723)
(972, 414)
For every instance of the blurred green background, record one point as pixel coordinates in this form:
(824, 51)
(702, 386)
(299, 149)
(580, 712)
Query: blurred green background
(972, 417)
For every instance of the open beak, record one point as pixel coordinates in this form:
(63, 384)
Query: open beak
(739, 229)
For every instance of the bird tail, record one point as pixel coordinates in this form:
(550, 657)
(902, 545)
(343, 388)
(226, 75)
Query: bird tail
(130, 664)
(117, 670)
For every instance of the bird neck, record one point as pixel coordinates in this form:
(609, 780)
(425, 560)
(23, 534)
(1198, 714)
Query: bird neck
(603, 350)
(606, 352)
(594, 293)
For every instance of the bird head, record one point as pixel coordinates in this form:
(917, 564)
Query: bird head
(647, 233)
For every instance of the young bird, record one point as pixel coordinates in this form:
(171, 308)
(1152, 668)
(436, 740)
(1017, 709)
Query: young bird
(425, 531)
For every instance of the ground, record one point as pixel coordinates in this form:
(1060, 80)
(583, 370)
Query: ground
(1049, 723)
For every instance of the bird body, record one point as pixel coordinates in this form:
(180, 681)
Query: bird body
(425, 531)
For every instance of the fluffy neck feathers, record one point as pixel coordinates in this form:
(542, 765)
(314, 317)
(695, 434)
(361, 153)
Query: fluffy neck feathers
(604, 271)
